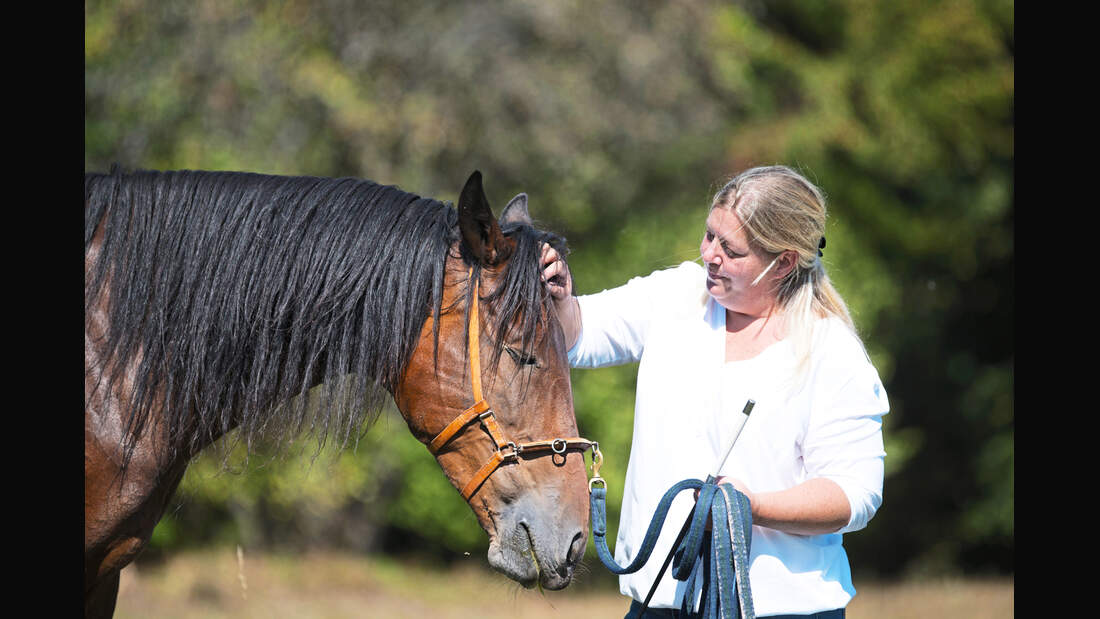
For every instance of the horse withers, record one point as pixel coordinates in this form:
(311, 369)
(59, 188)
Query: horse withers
(213, 300)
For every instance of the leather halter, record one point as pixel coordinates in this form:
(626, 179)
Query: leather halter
(506, 450)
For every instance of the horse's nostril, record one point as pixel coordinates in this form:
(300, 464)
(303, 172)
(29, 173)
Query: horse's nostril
(576, 549)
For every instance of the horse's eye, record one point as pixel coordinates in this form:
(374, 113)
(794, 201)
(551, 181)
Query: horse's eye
(522, 358)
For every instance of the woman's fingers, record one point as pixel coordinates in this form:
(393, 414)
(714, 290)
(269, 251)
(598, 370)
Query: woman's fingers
(555, 273)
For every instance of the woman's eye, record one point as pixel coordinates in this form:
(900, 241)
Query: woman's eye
(522, 358)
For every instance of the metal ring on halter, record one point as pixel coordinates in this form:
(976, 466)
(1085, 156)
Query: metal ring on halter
(516, 449)
(554, 445)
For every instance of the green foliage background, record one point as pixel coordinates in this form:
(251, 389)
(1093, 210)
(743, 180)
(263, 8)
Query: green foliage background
(619, 119)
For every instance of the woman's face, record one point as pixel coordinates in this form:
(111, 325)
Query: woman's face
(732, 266)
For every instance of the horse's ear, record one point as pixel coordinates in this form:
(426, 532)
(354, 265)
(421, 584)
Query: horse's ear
(480, 230)
(516, 211)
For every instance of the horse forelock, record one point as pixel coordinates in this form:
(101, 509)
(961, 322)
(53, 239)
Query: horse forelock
(521, 301)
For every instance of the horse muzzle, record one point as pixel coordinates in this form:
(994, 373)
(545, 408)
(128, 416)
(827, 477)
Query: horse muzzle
(532, 549)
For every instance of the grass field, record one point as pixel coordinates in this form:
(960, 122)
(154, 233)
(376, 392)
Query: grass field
(212, 584)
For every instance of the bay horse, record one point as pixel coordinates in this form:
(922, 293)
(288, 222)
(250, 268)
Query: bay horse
(215, 300)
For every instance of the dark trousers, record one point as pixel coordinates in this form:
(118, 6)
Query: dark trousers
(669, 613)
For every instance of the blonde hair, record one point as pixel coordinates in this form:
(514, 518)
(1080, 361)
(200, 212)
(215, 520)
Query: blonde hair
(782, 211)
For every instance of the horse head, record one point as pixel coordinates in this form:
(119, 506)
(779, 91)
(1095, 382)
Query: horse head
(503, 428)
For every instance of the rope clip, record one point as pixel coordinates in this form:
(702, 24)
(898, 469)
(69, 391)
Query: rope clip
(597, 462)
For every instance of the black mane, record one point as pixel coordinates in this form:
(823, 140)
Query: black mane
(239, 291)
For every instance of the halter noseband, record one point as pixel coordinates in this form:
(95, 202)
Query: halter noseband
(506, 450)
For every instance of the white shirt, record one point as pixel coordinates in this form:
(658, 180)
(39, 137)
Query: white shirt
(688, 399)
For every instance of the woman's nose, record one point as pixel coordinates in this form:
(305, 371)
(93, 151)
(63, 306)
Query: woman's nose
(710, 254)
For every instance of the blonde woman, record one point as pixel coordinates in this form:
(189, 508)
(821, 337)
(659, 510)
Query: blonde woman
(758, 319)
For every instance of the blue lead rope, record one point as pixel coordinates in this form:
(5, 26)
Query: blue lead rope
(720, 559)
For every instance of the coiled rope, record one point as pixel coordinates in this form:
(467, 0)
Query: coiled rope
(719, 557)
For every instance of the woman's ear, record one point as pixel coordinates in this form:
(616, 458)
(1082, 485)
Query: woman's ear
(785, 263)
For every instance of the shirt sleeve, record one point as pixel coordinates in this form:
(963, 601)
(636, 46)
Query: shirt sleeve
(844, 442)
(615, 322)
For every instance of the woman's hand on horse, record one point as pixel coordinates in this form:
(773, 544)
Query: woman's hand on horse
(555, 272)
